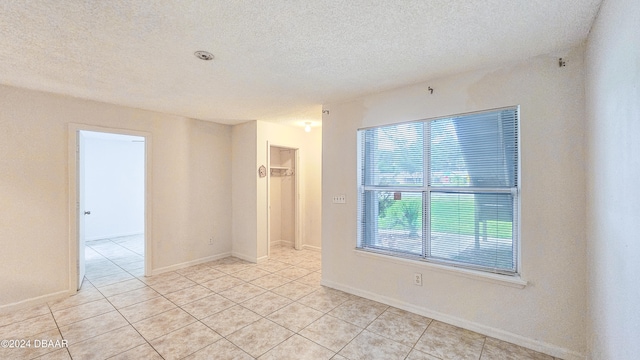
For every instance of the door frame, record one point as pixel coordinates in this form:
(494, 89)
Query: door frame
(297, 211)
(73, 153)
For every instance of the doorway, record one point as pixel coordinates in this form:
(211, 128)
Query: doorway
(283, 198)
(111, 200)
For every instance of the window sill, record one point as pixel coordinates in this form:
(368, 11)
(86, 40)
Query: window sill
(505, 280)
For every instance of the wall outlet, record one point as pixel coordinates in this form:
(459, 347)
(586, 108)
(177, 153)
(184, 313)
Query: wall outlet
(340, 199)
(417, 279)
(210, 241)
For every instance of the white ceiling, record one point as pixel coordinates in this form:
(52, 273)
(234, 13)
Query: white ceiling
(276, 60)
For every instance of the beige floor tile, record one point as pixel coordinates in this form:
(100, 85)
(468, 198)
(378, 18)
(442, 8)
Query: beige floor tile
(272, 266)
(295, 316)
(495, 349)
(160, 278)
(359, 311)
(242, 292)
(23, 314)
(312, 279)
(33, 346)
(250, 274)
(294, 290)
(339, 357)
(419, 355)
(222, 283)
(311, 265)
(266, 303)
(144, 351)
(400, 326)
(324, 299)
(293, 272)
(208, 306)
(105, 269)
(449, 342)
(111, 279)
(133, 297)
(231, 320)
(330, 332)
(81, 297)
(368, 345)
(190, 294)
(172, 285)
(203, 275)
(121, 287)
(145, 309)
(94, 326)
(107, 345)
(270, 281)
(81, 312)
(222, 349)
(259, 337)
(28, 327)
(163, 323)
(297, 347)
(185, 341)
(234, 267)
(60, 354)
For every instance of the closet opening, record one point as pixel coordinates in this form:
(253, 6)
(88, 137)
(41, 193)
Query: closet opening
(283, 198)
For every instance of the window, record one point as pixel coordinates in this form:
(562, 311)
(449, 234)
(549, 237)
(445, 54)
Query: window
(443, 190)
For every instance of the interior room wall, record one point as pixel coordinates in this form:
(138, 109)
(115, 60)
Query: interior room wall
(275, 194)
(613, 209)
(310, 172)
(190, 197)
(114, 190)
(548, 313)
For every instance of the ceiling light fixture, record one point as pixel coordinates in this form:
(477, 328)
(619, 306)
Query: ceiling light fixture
(307, 126)
(203, 55)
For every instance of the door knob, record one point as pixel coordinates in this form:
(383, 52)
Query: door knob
(87, 212)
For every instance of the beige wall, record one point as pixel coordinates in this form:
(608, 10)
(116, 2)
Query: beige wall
(547, 314)
(250, 150)
(613, 207)
(190, 193)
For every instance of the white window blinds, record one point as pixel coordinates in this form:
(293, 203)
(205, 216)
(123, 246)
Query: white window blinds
(443, 190)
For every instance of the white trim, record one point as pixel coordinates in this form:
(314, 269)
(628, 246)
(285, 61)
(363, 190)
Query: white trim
(72, 143)
(506, 280)
(536, 345)
(244, 257)
(262, 259)
(38, 300)
(311, 247)
(186, 264)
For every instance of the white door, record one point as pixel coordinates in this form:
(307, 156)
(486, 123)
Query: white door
(82, 212)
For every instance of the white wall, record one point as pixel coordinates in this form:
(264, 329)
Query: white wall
(190, 196)
(114, 186)
(547, 314)
(613, 207)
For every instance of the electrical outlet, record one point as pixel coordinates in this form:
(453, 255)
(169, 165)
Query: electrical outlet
(417, 279)
(340, 199)
(211, 241)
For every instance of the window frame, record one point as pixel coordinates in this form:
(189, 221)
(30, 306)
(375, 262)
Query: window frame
(427, 190)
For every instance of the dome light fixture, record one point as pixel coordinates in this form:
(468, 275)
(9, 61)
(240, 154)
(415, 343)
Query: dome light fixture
(307, 126)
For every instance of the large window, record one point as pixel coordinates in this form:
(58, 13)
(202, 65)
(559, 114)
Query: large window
(442, 190)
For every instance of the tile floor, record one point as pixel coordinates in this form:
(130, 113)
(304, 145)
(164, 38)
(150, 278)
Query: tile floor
(231, 309)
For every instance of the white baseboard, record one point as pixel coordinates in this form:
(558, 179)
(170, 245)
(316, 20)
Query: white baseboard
(188, 263)
(311, 247)
(465, 324)
(244, 257)
(38, 300)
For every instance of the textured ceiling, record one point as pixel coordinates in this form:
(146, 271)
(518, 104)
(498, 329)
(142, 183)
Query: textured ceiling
(274, 60)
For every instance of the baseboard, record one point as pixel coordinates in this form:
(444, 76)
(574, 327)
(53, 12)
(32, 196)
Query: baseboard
(465, 324)
(311, 247)
(188, 263)
(244, 257)
(38, 300)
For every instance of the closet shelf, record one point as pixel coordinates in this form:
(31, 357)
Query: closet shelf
(279, 168)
